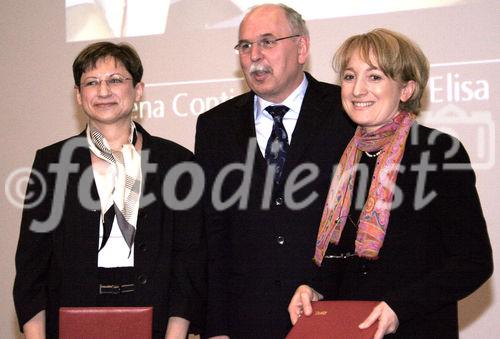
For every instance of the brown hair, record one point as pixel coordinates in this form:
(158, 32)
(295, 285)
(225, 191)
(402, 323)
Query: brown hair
(123, 53)
(397, 56)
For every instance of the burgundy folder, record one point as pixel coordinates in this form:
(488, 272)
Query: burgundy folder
(335, 319)
(105, 322)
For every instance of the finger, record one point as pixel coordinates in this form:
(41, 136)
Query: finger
(379, 334)
(305, 299)
(381, 328)
(395, 327)
(294, 303)
(294, 317)
(295, 309)
(392, 324)
(371, 318)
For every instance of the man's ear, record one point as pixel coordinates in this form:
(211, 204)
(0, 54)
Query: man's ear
(303, 50)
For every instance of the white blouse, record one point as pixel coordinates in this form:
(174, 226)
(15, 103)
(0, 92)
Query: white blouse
(116, 252)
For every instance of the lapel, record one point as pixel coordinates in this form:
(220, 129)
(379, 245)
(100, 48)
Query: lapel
(315, 109)
(150, 219)
(85, 232)
(82, 223)
(243, 123)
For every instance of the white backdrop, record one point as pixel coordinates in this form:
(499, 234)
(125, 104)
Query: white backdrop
(186, 48)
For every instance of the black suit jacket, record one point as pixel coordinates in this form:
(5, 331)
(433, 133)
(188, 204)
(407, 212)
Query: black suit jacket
(259, 255)
(59, 268)
(436, 250)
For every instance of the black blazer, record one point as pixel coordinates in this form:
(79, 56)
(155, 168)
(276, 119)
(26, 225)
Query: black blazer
(436, 250)
(259, 255)
(59, 268)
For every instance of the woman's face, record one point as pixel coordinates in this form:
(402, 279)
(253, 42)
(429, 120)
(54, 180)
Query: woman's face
(107, 94)
(371, 98)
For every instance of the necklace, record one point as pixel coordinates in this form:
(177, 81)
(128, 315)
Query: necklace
(374, 155)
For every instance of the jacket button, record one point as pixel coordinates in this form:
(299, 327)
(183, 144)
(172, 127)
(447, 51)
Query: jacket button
(364, 269)
(280, 240)
(279, 201)
(142, 214)
(142, 279)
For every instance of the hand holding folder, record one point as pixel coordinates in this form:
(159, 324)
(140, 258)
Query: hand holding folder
(335, 319)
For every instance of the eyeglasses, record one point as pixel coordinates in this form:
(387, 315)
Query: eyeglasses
(244, 47)
(113, 81)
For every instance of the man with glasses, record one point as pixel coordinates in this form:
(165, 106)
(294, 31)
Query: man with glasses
(268, 156)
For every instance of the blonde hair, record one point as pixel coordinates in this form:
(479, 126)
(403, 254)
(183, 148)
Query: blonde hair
(397, 56)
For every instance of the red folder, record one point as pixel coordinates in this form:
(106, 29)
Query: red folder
(335, 319)
(105, 322)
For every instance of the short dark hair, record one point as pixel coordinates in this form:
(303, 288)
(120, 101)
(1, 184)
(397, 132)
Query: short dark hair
(122, 52)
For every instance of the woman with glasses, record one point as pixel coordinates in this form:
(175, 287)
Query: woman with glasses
(402, 223)
(101, 232)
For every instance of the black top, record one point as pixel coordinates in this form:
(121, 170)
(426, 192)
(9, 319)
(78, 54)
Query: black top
(59, 267)
(339, 258)
(436, 250)
(360, 193)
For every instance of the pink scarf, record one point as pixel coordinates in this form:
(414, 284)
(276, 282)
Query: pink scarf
(374, 217)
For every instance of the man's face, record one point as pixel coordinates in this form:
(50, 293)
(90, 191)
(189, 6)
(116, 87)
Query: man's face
(272, 73)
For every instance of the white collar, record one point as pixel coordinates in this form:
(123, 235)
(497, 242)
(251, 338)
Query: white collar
(293, 102)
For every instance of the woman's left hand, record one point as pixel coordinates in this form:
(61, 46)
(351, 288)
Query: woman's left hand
(387, 320)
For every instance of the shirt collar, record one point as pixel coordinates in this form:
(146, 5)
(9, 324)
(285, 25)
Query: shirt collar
(293, 102)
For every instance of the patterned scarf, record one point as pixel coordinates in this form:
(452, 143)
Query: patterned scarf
(123, 203)
(374, 217)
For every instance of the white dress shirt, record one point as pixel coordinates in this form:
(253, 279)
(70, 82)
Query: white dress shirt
(264, 121)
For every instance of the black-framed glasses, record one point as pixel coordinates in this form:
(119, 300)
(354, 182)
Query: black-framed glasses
(244, 47)
(114, 81)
